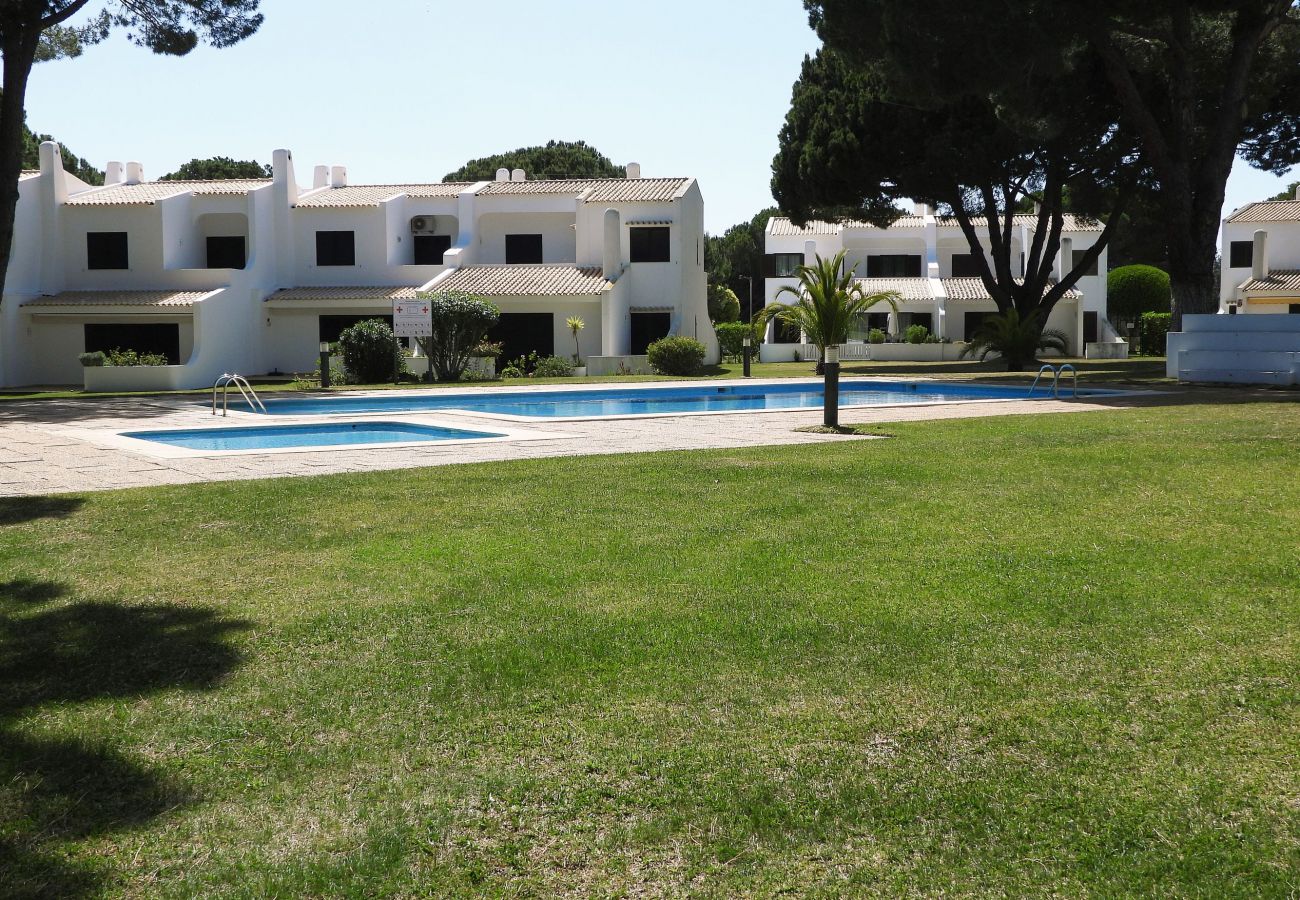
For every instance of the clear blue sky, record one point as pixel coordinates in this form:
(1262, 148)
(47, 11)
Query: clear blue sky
(408, 90)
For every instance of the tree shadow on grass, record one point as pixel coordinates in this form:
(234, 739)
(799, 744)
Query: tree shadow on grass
(57, 790)
(16, 510)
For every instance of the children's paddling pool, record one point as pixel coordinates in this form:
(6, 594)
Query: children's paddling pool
(325, 434)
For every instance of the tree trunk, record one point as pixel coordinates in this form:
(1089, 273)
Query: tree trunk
(19, 53)
(1193, 285)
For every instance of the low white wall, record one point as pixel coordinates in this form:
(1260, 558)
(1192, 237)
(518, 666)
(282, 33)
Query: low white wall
(618, 365)
(1106, 350)
(135, 378)
(479, 366)
(1260, 349)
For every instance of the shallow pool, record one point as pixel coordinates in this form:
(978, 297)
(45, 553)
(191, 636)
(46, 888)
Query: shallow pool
(325, 434)
(601, 401)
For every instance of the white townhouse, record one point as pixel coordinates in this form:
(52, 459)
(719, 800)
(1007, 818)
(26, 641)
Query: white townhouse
(1255, 339)
(926, 259)
(250, 276)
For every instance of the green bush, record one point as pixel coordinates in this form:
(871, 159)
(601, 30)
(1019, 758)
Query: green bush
(731, 338)
(93, 359)
(917, 334)
(676, 356)
(875, 336)
(1132, 291)
(724, 305)
(1152, 329)
(371, 353)
(510, 370)
(460, 325)
(120, 357)
(553, 367)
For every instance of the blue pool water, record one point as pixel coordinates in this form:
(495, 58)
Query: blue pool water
(643, 401)
(275, 437)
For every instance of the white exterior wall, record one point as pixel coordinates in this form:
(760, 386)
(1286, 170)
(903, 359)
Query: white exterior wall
(1283, 253)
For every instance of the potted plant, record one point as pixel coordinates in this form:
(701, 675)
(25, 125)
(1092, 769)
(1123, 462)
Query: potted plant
(576, 324)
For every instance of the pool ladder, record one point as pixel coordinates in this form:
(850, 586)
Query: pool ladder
(1057, 372)
(245, 390)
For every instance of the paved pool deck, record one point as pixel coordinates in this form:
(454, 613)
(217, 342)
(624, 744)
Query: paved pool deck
(62, 446)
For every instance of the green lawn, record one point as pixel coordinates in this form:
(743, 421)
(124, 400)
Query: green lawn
(1041, 655)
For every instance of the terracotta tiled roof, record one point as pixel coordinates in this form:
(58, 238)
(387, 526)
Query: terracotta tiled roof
(166, 299)
(385, 292)
(371, 194)
(1268, 211)
(1069, 223)
(973, 289)
(783, 227)
(149, 192)
(1279, 281)
(595, 190)
(27, 173)
(525, 281)
(906, 288)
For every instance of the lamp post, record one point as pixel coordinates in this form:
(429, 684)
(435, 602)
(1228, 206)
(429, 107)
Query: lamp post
(324, 364)
(749, 322)
(831, 393)
(748, 342)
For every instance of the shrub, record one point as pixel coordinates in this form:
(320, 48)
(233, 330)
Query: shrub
(120, 357)
(371, 352)
(460, 324)
(510, 370)
(731, 338)
(1153, 327)
(917, 334)
(487, 349)
(676, 356)
(1132, 291)
(93, 359)
(724, 305)
(875, 336)
(553, 367)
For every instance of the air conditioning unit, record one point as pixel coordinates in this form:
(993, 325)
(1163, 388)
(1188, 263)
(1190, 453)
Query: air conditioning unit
(423, 225)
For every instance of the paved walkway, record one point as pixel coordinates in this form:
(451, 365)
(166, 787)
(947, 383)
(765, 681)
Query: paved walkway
(56, 446)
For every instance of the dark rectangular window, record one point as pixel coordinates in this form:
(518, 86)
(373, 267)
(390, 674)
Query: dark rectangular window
(163, 338)
(429, 248)
(1077, 258)
(972, 322)
(1241, 254)
(782, 265)
(521, 334)
(336, 248)
(895, 265)
(1090, 327)
(650, 244)
(965, 265)
(648, 327)
(523, 249)
(785, 333)
(106, 250)
(226, 252)
(331, 327)
(1293, 309)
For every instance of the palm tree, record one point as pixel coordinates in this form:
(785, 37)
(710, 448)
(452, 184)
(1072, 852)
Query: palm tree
(1018, 341)
(827, 302)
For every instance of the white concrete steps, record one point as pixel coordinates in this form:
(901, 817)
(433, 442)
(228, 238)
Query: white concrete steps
(1243, 349)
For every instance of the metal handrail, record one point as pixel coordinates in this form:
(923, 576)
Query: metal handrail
(1057, 372)
(245, 390)
(1045, 368)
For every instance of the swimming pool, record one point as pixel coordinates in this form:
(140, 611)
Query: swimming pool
(697, 398)
(326, 434)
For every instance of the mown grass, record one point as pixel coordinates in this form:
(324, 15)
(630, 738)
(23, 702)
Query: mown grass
(1016, 656)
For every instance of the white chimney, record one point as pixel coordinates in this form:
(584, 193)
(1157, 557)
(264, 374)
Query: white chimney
(338, 176)
(320, 177)
(1259, 261)
(518, 175)
(809, 253)
(1297, 191)
(611, 263)
(1067, 257)
(113, 173)
(503, 174)
(633, 170)
(134, 173)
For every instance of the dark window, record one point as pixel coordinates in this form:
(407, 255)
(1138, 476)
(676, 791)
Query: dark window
(925, 319)
(897, 265)
(650, 245)
(1293, 309)
(332, 326)
(965, 265)
(106, 250)
(523, 333)
(336, 248)
(164, 338)
(429, 248)
(1241, 254)
(1077, 258)
(226, 252)
(1089, 327)
(648, 327)
(973, 321)
(782, 265)
(523, 249)
(785, 333)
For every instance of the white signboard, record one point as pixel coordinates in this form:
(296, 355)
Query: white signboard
(411, 318)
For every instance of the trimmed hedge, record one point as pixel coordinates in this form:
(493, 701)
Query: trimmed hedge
(724, 305)
(676, 356)
(371, 353)
(731, 338)
(1132, 291)
(1152, 331)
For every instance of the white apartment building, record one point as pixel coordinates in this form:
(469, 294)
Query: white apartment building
(1261, 258)
(926, 259)
(250, 276)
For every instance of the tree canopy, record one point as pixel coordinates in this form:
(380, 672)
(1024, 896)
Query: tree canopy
(558, 159)
(218, 168)
(79, 167)
(735, 256)
(1289, 193)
